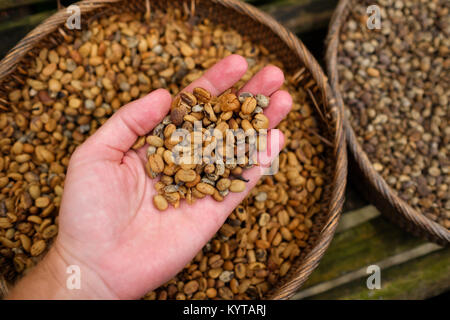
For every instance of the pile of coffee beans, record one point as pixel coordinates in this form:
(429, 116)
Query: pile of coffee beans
(64, 92)
(193, 161)
(396, 82)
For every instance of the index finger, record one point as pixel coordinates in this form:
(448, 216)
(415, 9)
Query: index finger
(221, 76)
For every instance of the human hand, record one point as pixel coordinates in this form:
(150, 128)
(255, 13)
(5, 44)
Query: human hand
(108, 225)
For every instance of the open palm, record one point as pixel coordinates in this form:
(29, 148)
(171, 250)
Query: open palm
(108, 223)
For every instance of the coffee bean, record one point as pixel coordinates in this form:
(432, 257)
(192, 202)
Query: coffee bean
(205, 188)
(223, 184)
(37, 248)
(249, 105)
(262, 101)
(156, 163)
(202, 95)
(50, 232)
(260, 121)
(373, 72)
(185, 175)
(160, 202)
(155, 141)
(42, 202)
(237, 186)
(190, 287)
(189, 98)
(26, 242)
(226, 276)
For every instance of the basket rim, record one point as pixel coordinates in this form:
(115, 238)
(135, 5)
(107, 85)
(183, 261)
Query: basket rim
(422, 224)
(311, 260)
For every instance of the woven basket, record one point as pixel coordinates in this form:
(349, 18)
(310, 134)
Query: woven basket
(297, 60)
(373, 186)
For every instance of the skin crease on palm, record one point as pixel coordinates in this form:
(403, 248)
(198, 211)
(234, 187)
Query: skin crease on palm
(108, 223)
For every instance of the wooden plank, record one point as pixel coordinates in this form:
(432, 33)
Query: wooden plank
(420, 278)
(403, 257)
(361, 246)
(8, 4)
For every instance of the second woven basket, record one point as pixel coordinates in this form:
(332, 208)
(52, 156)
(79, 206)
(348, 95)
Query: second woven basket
(373, 186)
(260, 28)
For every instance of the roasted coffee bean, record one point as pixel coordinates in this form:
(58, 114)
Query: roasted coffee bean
(249, 105)
(185, 175)
(160, 202)
(205, 188)
(202, 95)
(237, 186)
(223, 184)
(260, 121)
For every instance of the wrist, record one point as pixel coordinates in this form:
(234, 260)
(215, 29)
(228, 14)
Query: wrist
(61, 277)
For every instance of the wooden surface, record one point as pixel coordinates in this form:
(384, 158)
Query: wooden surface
(410, 267)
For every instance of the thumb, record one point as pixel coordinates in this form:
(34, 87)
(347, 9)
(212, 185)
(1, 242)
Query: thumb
(117, 135)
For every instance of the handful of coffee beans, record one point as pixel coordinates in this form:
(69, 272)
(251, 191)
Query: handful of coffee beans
(202, 147)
